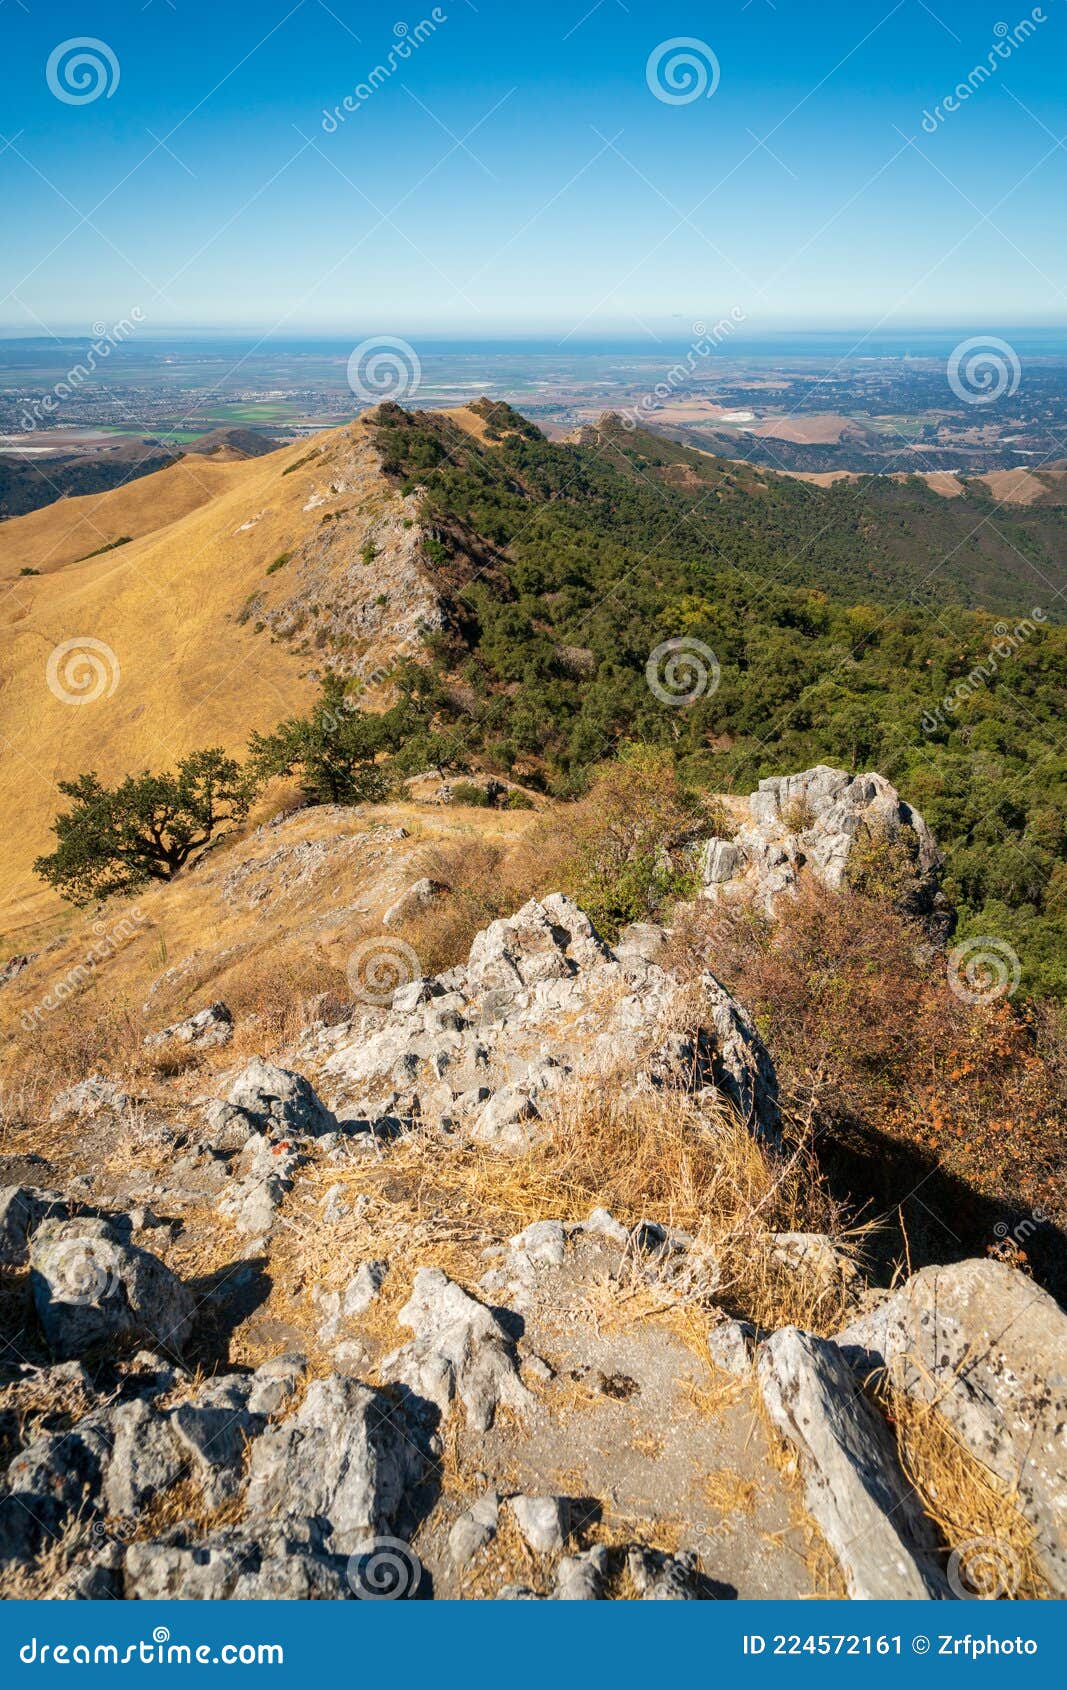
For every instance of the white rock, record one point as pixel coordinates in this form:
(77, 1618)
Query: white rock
(542, 1520)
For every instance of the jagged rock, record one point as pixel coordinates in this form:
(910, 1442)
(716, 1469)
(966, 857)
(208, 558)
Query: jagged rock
(270, 1563)
(22, 1209)
(144, 1459)
(275, 1382)
(228, 1128)
(540, 1242)
(810, 823)
(541, 1002)
(658, 1577)
(507, 1120)
(57, 1476)
(89, 1097)
(412, 902)
(989, 1347)
(207, 1028)
(543, 1521)
(252, 1205)
(518, 1593)
(641, 940)
(279, 1101)
(211, 1429)
(732, 1346)
(364, 1286)
(474, 1529)
(548, 940)
(460, 1350)
(90, 1288)
(854, 1488)
(265, 1171)
(581, 1578)
(343, 1457)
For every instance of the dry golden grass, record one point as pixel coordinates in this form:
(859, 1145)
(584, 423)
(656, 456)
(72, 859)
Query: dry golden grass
(65, 532)
(442, 1202)
(729, 1492)
(976, 1514)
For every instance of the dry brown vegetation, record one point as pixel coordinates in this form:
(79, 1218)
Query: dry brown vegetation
(977, 1516)
(909, 1085)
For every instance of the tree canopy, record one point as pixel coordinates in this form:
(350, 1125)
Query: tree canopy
(117, 839)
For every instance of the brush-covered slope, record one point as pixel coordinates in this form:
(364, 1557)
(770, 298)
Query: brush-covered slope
(646, 592)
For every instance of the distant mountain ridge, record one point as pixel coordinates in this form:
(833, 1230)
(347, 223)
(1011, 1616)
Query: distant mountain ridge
(28, 484)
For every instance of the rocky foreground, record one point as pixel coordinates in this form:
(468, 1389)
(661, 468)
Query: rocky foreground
(286, 1345)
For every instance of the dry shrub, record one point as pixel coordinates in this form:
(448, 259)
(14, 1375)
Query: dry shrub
(621, 852)
(650, 1156)
(976, 1514)
(272, 998)
(88, 1033)
(915, 1087)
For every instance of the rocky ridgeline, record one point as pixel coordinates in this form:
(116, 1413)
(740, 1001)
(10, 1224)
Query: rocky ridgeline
(288, 1480)
(541, 1003)
(811, 823)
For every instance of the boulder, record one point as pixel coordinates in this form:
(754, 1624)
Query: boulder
(145, 1459)
(89, 1097)
(809, 824)
(22, 1209)
(854, 1488)
(732, 1346)
(544, 1521)
(58, 1475)
(659, 1577)
(582, 1578)
(474, 1529)
(989, 1347)
(344, 1457)
(279, 1102)
(460, 1350)
(282, 1562)
(204, 1030)
(89, 1288)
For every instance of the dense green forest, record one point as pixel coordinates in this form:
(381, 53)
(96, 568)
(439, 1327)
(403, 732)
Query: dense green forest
(871, 625)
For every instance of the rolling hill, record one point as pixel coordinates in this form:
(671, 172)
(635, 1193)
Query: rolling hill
(534, 582)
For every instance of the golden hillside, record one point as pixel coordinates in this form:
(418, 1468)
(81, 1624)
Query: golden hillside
(186, 636)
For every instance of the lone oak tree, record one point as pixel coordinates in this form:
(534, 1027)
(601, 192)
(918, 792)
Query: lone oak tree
(116, 839)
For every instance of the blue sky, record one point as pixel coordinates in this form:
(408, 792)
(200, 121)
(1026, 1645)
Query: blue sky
(518, 173)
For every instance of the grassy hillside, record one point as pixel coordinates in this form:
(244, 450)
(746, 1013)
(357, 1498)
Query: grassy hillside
(184, 657)
(868, 625)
